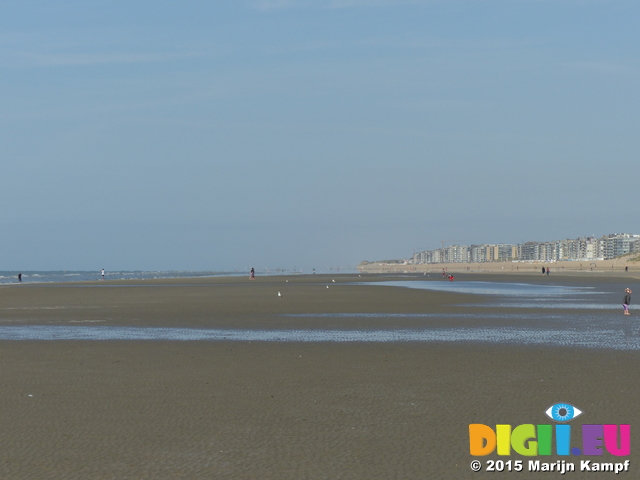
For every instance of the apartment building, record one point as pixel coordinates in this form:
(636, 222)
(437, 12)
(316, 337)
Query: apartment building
(581, 248)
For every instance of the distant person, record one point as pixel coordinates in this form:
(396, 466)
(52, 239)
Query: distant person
(627, 301)
(443, 273)
(252, 276)
(19, 277)
(548, 270)
(103, 273)
(543, 270)
(451, 278)
(626, 269)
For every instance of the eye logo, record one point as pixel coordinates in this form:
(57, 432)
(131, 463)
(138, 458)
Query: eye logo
(563, 412)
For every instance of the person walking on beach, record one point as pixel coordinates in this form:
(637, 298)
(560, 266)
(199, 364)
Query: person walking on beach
(548, 270)
(627, 301)
(103, 273)
(543, 270)
(20, 277)
(253, 274)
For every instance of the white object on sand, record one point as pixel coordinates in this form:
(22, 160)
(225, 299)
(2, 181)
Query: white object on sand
(279, 294)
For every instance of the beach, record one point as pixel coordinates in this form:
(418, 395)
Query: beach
(616, 267)
(249, 409)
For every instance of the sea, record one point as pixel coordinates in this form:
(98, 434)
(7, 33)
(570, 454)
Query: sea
(85, 276)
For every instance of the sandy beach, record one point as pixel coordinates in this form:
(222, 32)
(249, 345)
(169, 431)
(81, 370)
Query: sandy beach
(138, 409)
(626, 266)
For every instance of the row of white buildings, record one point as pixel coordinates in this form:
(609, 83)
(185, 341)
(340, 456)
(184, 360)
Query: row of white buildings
(583, 248)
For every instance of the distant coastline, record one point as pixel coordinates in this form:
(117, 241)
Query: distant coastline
(626, 264)
(583, 249)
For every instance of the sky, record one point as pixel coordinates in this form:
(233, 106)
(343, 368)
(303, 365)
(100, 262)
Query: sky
(225, 135)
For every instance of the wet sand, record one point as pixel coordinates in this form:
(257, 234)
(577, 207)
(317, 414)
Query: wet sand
(158, 409)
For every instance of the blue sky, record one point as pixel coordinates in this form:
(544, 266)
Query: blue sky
(204, 135)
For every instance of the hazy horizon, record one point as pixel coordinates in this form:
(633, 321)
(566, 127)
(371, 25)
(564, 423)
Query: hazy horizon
(310, 133)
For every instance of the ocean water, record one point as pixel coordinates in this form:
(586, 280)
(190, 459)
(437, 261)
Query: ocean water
(85, 276)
